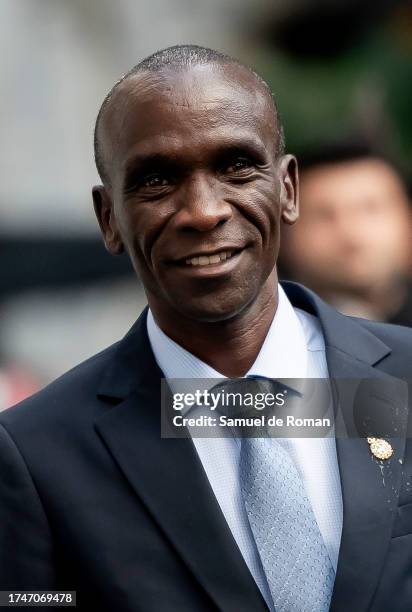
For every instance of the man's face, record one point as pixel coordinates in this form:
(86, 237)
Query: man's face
(197, 192)
(354, 232)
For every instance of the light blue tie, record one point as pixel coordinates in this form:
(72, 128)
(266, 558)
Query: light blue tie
(293, 554)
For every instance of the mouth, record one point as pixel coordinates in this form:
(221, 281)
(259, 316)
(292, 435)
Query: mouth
(212, 263)
(210, 259)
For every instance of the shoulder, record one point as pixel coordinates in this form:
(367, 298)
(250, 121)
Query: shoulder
(397, 337)
(348, 333)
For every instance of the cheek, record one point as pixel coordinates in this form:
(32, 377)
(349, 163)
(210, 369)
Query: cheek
(142, 225)
(260, 205)
(311, 246)
(392, 247)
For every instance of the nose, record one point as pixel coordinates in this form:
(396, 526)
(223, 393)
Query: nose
(201, 205)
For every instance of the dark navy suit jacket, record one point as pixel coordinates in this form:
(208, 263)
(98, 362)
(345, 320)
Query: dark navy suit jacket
(93, 500)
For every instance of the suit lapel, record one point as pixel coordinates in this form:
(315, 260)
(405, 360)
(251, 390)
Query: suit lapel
(168, 476)
(370, 488)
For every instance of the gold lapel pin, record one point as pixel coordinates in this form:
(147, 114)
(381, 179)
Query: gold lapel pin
(381, 449)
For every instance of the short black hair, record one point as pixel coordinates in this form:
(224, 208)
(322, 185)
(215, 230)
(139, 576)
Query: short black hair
(178, 57)
(335, 152)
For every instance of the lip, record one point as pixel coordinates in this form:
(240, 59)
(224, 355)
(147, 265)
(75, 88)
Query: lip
(210, 270)
(235, 249)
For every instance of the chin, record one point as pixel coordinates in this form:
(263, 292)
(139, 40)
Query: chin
(212, 312)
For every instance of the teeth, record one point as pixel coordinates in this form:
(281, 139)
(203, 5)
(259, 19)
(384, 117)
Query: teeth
(206, 260)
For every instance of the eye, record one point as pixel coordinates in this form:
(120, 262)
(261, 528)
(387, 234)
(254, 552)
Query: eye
(154, 180)
(240, 165)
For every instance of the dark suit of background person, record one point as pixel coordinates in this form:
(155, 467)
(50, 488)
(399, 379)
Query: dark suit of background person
(92, 498)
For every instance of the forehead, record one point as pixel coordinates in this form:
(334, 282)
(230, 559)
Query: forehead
(188, 109)
(352, 181)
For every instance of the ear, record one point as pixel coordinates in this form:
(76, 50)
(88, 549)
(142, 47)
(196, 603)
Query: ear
(289, 191)
(103, 207)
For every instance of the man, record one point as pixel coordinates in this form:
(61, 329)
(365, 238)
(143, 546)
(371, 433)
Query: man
(352, 244)
(196, 186)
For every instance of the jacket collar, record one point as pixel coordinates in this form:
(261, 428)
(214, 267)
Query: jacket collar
(341, 333)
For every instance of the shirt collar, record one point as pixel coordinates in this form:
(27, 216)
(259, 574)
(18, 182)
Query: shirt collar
(283, 353)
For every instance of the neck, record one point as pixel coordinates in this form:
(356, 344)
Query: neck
(230, 346)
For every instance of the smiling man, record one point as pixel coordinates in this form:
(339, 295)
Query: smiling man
(195, 188)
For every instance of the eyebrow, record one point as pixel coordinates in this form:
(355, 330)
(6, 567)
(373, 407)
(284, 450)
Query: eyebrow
(141, 164)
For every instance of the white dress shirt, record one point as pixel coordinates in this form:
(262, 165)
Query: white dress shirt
(294, 348)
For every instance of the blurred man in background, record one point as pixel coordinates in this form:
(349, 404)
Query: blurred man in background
(352, 244)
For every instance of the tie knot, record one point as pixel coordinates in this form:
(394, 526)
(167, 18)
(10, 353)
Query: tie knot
(244, 396)
(248, 403)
